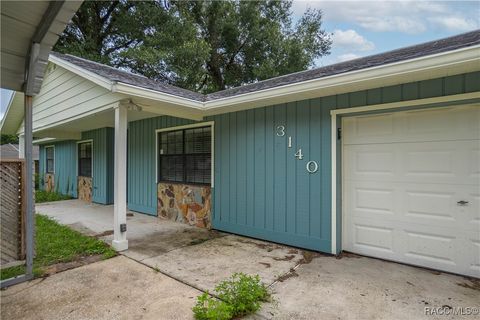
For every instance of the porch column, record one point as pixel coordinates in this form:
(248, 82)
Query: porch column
(120, 241)
(21, 146)
(29, 204)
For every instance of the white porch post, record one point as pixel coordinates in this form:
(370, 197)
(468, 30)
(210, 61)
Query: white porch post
(120, 241)
(21, 146)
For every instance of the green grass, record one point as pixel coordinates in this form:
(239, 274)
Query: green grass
(44, 196)
(56, 243)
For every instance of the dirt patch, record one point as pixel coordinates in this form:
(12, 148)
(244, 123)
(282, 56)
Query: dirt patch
(291, 274)
(293, 251)
(266, 264)
(78, 262)
(104, 234)
(308, 256)
(474, 284)
(286, 258)
(197, 241)
(344, 254)
(265, 246)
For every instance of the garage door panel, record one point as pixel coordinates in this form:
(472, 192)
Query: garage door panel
(411, 188)
(439, 124)
(426, 204)
(420, 162)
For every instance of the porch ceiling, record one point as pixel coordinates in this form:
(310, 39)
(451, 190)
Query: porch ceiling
(24, 23)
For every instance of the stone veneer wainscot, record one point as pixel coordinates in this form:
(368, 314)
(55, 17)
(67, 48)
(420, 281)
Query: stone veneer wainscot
(185, 203)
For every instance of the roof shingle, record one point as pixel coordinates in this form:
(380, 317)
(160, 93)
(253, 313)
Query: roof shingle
(425, 49)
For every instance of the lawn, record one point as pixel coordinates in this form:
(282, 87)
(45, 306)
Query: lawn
(44, 196)
(57, 243)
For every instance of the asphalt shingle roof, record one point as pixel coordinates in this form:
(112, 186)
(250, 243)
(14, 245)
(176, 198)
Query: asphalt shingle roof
(425, 49)
(117, 75)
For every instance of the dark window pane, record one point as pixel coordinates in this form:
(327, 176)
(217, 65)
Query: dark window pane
(171, 168)
(184, 155)
(85, 159)
(50, 161)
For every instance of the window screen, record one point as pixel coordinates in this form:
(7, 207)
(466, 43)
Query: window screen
(85, 159)
(50, 159)
(185, 156)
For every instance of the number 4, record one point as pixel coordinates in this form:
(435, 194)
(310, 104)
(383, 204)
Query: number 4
(299, 154)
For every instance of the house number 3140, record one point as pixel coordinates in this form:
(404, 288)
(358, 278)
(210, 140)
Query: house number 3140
(311, 166)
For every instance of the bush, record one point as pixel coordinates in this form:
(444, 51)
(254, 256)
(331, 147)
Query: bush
(240, 295)
(44, 196)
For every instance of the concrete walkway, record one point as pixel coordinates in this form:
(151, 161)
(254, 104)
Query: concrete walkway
(118, 288)
(306, 285)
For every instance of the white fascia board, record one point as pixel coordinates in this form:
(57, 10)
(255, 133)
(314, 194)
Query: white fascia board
(426, 63)
(132, 90)
(6, 112)
(446, 63)
(95, 78)
(43, 140)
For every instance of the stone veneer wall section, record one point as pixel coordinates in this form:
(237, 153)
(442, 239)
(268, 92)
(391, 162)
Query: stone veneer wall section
(85, 188)
(49, 182)
(185, 203)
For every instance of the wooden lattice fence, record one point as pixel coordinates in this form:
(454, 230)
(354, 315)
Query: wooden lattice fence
(12, 211)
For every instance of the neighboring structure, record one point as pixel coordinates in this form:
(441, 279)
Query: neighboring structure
(11, 151)
(378, 155)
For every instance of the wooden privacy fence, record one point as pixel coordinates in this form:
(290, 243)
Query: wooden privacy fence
(12, 210)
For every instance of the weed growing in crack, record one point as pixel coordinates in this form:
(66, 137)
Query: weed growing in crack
(239, 295)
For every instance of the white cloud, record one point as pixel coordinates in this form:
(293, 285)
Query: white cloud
(382, 24)
(407, 16)
(351, 40)
(347, 56)
(455, 23)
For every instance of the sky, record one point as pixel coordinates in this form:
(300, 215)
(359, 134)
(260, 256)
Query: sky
(362, 28)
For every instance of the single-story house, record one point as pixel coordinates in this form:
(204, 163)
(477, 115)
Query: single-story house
(378, 156)
(11, 151)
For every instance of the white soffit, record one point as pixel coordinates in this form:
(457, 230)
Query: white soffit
(26, 22)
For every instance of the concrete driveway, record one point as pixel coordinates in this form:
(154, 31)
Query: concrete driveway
(306, 285)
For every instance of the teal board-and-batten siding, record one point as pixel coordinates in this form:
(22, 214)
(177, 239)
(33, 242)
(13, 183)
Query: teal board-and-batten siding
(260, 189)
(66, 165)
(141, 161)
(103, 157)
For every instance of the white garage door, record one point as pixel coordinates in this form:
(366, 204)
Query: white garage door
(411, 187)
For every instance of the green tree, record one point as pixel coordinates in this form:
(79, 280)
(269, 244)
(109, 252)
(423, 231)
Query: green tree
(8, 138)
(203, 46)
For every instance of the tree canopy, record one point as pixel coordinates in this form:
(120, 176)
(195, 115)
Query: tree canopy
(205, 46)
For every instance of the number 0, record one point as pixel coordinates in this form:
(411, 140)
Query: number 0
(312, 166)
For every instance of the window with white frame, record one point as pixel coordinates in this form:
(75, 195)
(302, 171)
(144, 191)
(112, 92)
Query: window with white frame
(184, 156)
(85, 159)
(50, 159)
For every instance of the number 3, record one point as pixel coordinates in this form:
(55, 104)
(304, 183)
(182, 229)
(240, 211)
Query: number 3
(280, 131)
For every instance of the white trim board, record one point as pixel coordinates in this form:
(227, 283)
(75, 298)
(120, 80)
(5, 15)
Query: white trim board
(188, 126)
(395, 106)
(427, 67)
(76, 158)
(54, 159)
